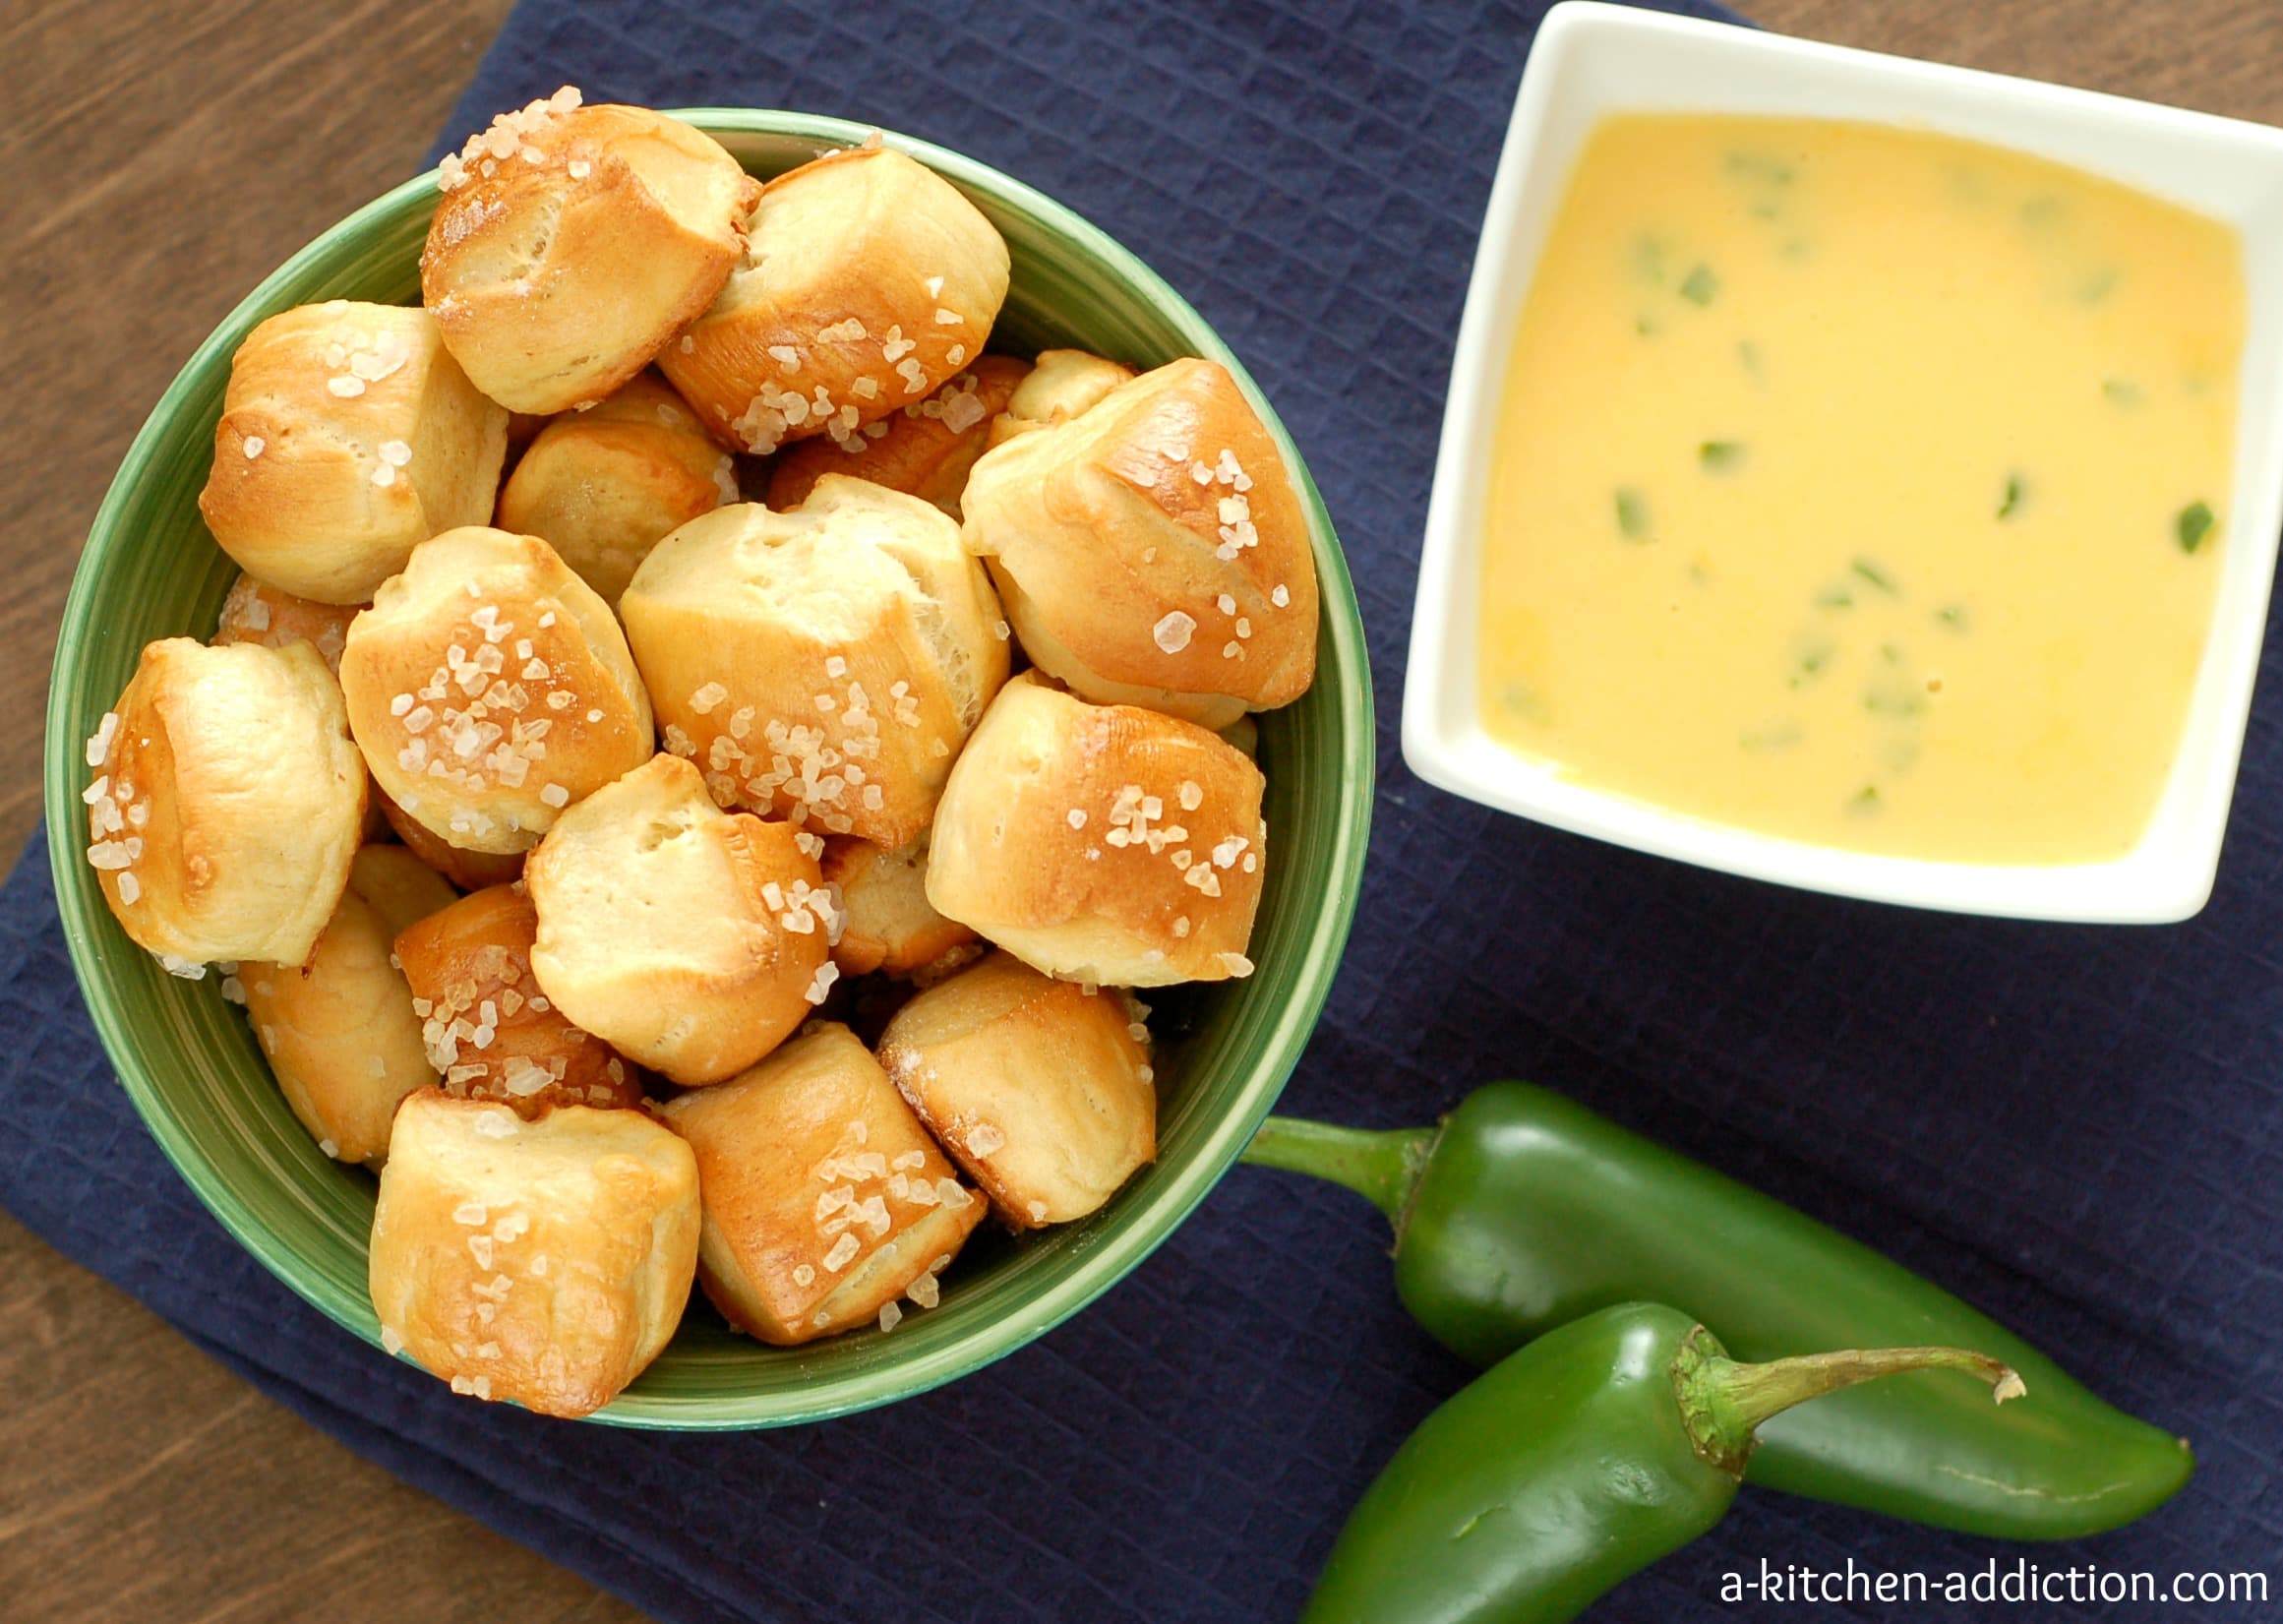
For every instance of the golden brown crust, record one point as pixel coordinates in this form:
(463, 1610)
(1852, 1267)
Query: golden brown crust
(692, 940)
(889, 924)
(1152, 549)
(825, 1200)
(255, 612)
(226, 801)
(543, 1262)
(489, 1027)
(339, 1031)
(1101, 843)
(574, 245)
(348, 437)
(926, 450)
(823, 664)
(1041, 1089)
(488, 687)
(469, 870)
(868, 280)
(601, 487)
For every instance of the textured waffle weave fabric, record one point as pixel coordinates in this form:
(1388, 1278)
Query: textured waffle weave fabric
(2078, 1129)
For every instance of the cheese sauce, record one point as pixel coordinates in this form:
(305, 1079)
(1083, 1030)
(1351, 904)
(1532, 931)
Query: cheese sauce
(1862, 486)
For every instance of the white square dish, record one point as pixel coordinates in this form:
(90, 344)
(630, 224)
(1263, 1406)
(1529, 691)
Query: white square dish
(1593, 59)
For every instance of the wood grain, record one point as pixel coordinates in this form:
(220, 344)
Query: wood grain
(166, 154)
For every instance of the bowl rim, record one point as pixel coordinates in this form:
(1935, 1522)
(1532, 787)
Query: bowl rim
(1593, 54)
(1115, 1253)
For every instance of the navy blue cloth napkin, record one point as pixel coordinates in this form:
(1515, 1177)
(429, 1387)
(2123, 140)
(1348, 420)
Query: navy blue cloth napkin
(2078, 1129)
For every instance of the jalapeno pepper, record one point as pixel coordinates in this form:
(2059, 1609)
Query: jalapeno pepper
(1524, 1210)
(1595, 1450)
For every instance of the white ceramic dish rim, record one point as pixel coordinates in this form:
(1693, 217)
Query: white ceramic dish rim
(1590, 59)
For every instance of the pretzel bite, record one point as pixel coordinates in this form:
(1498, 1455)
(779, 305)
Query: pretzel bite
(692, 940)
(926, 450)
(226, 803)
(469, 870)
(258, 612)
(348, 437)
(488, 1026)
(1042, 1089)
(1063, 383)
(823, 664)
(339, 1032)
(1101, 843)
(824, 1198)
(545, 1262)
(572, 242)
(867, 281)
(1151, 551)
(889, 924)
(601, 487)
(488, 687)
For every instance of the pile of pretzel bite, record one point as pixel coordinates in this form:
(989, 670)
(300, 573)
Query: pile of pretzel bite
(657, 885)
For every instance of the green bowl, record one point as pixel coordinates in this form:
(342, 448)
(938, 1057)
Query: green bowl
(191, 1066)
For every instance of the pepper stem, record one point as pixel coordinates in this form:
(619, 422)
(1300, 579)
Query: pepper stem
(1383, 1168)
(1724, 1402)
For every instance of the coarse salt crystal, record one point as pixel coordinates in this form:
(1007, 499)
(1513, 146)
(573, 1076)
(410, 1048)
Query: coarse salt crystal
(843, 1253)
(1172, 634)
(1280, 597)
(1077, 817)
(925, 1291)
(252, 446)
(1038, 1212)
(890, 1316)
(555, 795)
(984, 1139)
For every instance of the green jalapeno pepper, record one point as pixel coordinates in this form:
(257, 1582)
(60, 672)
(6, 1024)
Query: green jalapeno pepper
(1524, 1210)
(1595, 1450)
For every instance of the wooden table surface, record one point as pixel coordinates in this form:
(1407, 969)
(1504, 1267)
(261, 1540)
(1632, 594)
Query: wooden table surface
(167, 153)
